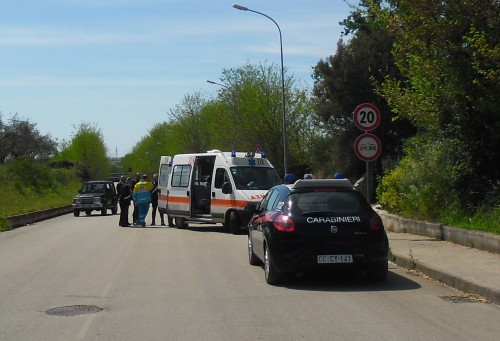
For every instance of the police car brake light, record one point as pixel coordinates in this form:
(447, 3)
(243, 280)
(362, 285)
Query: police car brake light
(284, 223)
(376, 223)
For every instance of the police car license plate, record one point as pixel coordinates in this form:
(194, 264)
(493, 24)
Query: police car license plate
(329, 259)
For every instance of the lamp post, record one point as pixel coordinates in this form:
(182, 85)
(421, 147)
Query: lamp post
(219, 84)
(285, 147)
(230, 90)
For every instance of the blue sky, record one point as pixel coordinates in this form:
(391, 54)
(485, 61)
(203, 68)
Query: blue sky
(123, 64)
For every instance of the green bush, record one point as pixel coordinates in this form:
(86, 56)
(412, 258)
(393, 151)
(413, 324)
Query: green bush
(31, 186)
(426, 186)
(423, 185)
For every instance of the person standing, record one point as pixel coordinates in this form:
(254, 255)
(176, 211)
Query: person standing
(142, 198)
(123, 180)
(124, 197)
(135, 212)
(154, 201)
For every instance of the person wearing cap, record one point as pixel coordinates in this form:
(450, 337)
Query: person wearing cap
(142, 198)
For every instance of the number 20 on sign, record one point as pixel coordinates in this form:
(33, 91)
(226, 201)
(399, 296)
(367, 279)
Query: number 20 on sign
(366, 116)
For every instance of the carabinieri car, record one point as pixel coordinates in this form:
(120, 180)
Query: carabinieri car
(316, 226)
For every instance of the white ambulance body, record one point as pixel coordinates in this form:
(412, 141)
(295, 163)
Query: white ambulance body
(213, 187)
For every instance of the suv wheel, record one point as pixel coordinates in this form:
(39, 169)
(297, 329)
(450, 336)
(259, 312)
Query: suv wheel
(104, 210)
(76, 213)
(114, 209)
(88, 212)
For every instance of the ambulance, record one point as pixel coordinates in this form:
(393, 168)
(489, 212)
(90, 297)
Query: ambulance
(213, 187)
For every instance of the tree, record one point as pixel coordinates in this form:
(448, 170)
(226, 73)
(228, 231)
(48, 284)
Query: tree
(20, 138)
(254, 107)
(191, 123)
(449, 55)
(347, 79)
(244, 114)
(87, 151)
(162, 139)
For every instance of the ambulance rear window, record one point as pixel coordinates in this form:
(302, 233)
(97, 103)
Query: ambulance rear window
(180, 175)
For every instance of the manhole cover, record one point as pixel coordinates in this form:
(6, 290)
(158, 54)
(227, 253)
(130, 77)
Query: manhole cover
(73, 310)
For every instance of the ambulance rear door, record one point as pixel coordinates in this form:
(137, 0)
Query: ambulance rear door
(163, 177)
(179, 188)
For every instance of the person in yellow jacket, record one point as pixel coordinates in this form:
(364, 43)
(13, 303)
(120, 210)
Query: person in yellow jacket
(142, 198)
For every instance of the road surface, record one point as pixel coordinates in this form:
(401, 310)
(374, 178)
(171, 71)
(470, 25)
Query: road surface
(86, 278)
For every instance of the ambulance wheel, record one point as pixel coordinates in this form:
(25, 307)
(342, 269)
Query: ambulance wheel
(234, 223)
(76, 213)
(180, 223)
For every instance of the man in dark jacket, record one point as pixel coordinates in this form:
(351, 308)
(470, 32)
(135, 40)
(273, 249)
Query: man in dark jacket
(154, 201)
(125, 197)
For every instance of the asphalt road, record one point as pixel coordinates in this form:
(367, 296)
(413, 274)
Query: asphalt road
(196, 284)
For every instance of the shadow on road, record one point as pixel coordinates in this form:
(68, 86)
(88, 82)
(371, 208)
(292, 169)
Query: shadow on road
(342, 281)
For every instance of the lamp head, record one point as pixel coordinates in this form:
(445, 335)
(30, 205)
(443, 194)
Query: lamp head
(241, 8)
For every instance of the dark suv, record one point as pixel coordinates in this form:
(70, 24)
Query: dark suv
(96, 196)
(316, 226)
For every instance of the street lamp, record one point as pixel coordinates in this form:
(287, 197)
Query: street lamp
(219, 84)
(285, 165)
(228, 88)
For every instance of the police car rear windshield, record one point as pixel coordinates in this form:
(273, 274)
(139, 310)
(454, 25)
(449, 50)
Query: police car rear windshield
(252, 178)
(327, 202)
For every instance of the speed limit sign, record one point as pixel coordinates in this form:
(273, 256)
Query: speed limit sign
(366, 116)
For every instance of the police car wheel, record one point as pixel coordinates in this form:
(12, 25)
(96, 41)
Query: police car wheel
(378, 273)
(252, 258)
(272, 276)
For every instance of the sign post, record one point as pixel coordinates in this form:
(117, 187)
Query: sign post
(367, 146)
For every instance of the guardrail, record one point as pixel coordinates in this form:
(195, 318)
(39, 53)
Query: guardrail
(32, 217)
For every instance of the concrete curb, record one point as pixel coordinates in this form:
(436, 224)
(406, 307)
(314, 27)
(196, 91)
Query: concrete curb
(475, 239)
(32, 217)
(447, 278)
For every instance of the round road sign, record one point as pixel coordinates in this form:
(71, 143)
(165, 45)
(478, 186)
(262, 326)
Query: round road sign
(367, 147)
(366, 116)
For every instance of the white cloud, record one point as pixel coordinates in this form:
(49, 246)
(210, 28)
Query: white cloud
(39, 36)
(44, 81)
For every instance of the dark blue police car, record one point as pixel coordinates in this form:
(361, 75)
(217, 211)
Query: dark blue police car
(316, 226)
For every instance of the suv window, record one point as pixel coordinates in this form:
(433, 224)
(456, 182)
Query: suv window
(327, 201)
